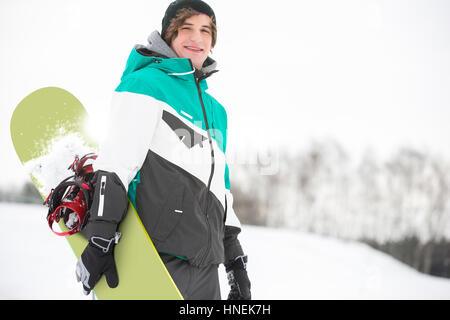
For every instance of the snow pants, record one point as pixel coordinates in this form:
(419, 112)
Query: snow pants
(194, 283)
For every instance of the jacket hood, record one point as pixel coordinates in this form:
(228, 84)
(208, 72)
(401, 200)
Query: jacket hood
(143, 56)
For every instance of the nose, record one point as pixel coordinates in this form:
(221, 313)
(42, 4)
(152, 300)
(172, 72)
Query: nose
(196, 36)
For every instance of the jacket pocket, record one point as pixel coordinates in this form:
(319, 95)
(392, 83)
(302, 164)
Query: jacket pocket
(171, 212)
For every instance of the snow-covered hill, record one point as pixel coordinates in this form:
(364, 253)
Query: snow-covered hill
(36, 264)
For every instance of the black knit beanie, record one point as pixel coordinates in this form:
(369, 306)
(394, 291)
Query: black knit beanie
(197, 5)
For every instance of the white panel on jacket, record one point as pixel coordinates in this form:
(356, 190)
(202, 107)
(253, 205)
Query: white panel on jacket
(232, 219)
(131, 124)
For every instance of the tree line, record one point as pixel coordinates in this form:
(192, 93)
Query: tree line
(400, 205)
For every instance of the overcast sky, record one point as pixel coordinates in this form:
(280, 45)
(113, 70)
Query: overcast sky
(365, 73)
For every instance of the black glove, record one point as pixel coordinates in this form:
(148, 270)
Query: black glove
(238, 279)
(97, 259)
(108, 208)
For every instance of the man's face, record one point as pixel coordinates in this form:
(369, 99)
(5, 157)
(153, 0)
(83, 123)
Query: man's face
(194, 40)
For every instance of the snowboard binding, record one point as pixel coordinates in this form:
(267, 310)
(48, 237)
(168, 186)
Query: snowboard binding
(71, 199)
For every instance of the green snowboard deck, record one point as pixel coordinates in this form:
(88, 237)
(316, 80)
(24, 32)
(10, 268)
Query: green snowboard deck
(49, 115)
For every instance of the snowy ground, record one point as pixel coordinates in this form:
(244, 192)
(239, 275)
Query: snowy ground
(36, 264)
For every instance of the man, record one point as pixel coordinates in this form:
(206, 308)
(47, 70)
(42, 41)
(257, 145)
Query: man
(166, 149)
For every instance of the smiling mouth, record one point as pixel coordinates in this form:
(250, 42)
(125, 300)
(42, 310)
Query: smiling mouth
(193, 49)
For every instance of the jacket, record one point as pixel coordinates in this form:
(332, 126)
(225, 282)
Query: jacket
(166, 146)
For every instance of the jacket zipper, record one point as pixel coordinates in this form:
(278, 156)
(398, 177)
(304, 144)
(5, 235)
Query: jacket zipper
(208, 248)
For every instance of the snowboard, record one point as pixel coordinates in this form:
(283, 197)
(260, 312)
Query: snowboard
(48, 129)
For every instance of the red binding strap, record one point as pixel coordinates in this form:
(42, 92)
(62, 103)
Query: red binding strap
(68, 206)
(71, 198)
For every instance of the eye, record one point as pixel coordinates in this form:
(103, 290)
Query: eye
(206, 31)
